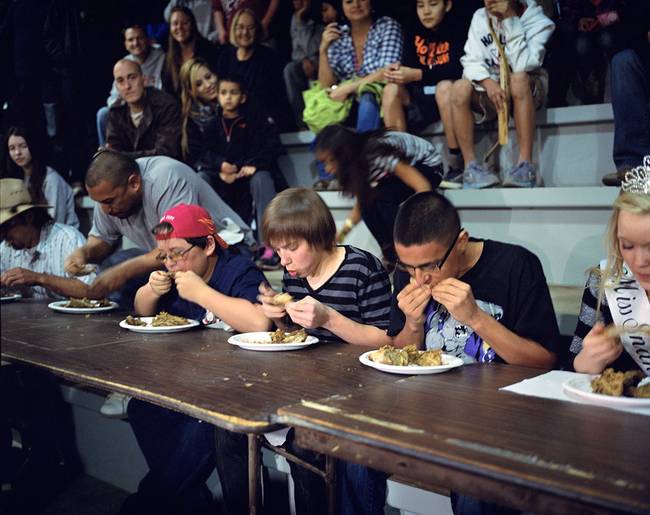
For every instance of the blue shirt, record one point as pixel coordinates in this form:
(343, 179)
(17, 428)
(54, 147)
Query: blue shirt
(235, 276)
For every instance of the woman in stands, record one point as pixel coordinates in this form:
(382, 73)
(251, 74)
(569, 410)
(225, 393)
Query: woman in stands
(618, 291)
(357, 52)
(380, 169)
(257, 66)
(185, 43)
(26, 160)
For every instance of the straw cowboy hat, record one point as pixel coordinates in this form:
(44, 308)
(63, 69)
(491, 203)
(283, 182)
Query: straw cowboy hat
(14, 199)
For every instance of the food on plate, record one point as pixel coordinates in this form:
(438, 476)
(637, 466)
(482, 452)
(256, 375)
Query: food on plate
(281, 299)
(409, 355)
(281, 336)
(131, 320)
(86, 303)
(164, 319)
(620, 384)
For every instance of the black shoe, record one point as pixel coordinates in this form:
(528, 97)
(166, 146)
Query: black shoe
(615, 179)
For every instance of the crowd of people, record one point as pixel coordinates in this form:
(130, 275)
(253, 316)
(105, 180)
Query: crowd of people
(187, 170)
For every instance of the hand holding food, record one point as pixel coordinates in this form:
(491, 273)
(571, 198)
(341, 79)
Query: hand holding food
(412, 301)
(598, 351)
(308, 312)
(75, 263)
(160, 282)
(273, 304)
(457, 297)
(189, 285)
(19, 277)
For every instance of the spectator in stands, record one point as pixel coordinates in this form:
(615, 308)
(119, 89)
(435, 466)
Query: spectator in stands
(303, 67)
(34, 247)
(208, 282)
(623, 281)
(147, 122)
(330, 12)
(381, 170)
(479, 300)
(185, 43)
(431, 65)
(234, 149)
(224, 11)
(630, 76)
(522, 30)
(256, 65)
(150, 59)
(26, 161)
(131, 197)
(203, 13)
(353, 57)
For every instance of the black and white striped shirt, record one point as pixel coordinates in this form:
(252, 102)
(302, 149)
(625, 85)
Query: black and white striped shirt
(359, 290)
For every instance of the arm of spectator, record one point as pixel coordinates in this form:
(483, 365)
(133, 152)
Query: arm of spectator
(114, 278)
(94, 251)
(268, 16)
(64, 286)
(525, 49)
(400, 74)
(474, 67)
(392, 41)
(266, 146)
(220, 24)
(353, 219)
(326, 75)
(114, 139)
(343, 91)
(412, 177)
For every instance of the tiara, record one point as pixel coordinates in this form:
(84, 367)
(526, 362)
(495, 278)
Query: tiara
(637, 180)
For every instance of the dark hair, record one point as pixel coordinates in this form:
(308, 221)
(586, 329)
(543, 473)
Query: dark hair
(235, 79)
(131, 24)
(111, 166)
(166, 228)
(173, 60)
(299, 213)
(353, 152)
(39, 168)
(426, 217)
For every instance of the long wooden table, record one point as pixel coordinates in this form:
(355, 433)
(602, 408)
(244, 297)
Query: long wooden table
(458, 430)
(196, 372)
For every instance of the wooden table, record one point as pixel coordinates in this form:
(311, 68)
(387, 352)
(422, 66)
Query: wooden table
(196, 372)
(457, 430)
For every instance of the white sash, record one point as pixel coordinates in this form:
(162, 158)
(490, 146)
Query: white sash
(630, 308)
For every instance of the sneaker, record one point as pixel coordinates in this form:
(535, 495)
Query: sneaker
(477, 177)
(452, 180)
(115, 405)
(523, 175)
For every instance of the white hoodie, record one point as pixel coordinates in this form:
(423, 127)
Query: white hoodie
(523, 39)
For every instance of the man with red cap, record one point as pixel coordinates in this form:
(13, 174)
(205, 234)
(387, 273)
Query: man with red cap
(203, 281)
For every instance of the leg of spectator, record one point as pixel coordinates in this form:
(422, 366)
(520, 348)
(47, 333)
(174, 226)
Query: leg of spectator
(524, 114)
(630, 96)
(392, 104)
(262, 191)
(102, 122)
(443, 99)
(232, 465)
(362, 490)
(368, 117)
(310, 493)
(295, 82)
(461, 97)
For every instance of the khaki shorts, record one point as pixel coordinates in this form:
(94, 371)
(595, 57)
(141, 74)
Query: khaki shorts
(484, 110)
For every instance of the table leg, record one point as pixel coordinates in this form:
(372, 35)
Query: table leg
(330, 484)
(253, 473)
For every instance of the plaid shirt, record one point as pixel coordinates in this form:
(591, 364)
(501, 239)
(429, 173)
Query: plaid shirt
(383, 46)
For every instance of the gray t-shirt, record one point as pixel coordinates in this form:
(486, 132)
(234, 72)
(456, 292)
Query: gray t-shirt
(167, 183)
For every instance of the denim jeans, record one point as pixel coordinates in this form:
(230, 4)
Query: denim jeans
(466, 505)
(102, 123)
(180, 453)
(631, 105)
(368, 115)
(295, 81)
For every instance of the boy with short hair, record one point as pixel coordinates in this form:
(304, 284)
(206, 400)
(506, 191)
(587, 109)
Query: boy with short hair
(521, 30)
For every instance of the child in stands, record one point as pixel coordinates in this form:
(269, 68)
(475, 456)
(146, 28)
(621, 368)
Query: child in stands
(512, 34)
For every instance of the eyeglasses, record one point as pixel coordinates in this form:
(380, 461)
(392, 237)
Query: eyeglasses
(174, 256)
(433, 266)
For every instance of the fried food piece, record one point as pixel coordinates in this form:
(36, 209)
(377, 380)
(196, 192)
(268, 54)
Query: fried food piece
(409, 355)
(131, 320)
(281, 299)
(614, 383)
(86, 303)
(641, 391)
(430, 358)
(281, 336)
(164, 319)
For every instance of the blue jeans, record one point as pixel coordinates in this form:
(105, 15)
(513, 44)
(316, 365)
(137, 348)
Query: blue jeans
(631, 105)
(368, 115)
(102, 122)
(180, 453)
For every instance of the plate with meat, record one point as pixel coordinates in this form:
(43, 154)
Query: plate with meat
(611, 388)
(83, 306)
(409, 360)
(163, 322)
(273, 341)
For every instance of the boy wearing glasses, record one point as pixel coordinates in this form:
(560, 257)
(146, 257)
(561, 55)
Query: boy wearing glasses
(480, 300)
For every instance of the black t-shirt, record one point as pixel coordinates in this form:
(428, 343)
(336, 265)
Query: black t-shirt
(508, 283)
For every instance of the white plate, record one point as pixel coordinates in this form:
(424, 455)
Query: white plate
(159, 329)
(59, 305)
(580, 388)
(262, 342)
(448, 361)
(11, 298)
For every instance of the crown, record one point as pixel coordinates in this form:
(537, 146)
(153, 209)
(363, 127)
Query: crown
(637, 180)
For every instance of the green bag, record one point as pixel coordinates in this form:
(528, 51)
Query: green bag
(320, 110)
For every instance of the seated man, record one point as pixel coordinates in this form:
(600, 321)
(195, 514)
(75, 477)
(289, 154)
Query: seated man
(151, 60)
(33, 247)
(506, 34)
(131, 197)
(147, 122)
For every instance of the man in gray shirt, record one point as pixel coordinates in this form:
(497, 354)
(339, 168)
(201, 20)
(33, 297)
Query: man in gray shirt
(130, 198)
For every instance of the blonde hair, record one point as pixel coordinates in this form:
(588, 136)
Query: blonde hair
(187, 78)
(258, 26)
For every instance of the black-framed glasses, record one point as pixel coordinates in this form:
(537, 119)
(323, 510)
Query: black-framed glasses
(433, 266)
(174, 256)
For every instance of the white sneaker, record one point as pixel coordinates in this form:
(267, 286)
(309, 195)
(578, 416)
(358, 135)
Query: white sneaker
(115, 405)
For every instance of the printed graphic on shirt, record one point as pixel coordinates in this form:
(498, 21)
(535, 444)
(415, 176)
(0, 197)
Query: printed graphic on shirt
(442, 331)
(488, 42)
(433, 53)
(213, 321)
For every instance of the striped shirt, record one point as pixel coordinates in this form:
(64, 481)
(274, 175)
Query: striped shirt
(383, 47)
(358, 290)
(417, 151)
(57, 242)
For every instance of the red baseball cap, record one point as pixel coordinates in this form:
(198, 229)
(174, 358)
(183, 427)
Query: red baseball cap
(190, 221)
